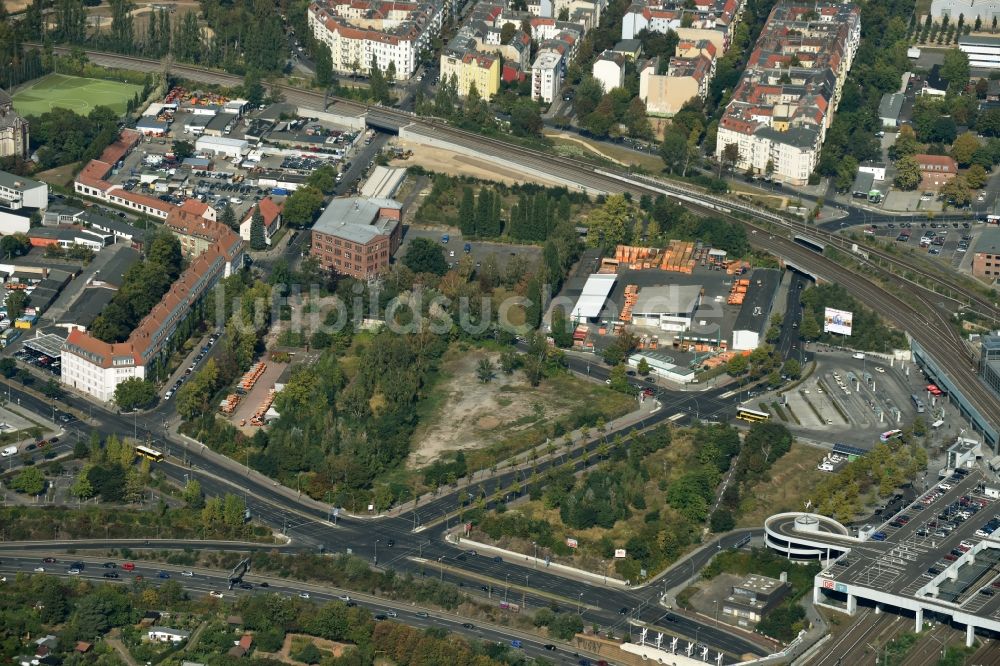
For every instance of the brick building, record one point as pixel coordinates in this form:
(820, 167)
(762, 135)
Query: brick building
(986, 260)
(357, 236)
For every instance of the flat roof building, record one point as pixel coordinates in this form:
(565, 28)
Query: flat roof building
(595, 292)
(754, 316)
(357, 237)
(670, 307)
(989, 362)
(753, 598)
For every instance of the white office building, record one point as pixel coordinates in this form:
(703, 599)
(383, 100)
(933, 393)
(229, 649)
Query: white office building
(222, 145)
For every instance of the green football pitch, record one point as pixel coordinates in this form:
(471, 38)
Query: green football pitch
(72, 92)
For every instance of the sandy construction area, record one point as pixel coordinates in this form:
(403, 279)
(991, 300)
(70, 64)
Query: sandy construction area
(454, 164)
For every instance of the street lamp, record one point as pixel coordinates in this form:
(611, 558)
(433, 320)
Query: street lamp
(375, 556)
(534, 564)
(506, 580)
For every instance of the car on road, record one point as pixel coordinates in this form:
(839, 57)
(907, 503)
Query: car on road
(73, 572)
(263, 584)
(468, 625)
(39, 569)
(110, 565)
(391, 543)
(246, 586)
(217, 595)
(163, 574)
(344, 597)
(111, 574)
(880, 370)
(49, 560)
(423, 614)
(391, 613)
(498, 559)
(380, 617)
(189, 574)
(623, 611)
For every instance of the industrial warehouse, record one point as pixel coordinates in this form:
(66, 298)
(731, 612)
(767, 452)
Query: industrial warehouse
(690, 306)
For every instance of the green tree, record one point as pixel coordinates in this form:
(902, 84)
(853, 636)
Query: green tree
(955, 70)
(526, 118)
(324, 179)
(485, 371)
(964, 148)
(135, 393)
(82, 488)
(183, 150)
(8, 367)
(643, 367)
(611, 224)
(674, 151)
(737, 365)
(193, 495)
(467, 212)
(324, 65)
(301, 206)
(956, 192)
(257, 238)
(29, 481)
(16, 302)
(729, 158)
(228, 217)
(308, 654)
(423, 255)
(792, 369)
(907, 173)
(976, 176)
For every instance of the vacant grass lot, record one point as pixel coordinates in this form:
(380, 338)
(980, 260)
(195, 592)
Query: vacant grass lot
(80, 94)
(791, 481)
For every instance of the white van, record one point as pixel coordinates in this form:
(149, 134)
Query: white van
(9, 451)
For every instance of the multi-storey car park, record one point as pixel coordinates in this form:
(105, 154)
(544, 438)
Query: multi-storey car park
(938, 556)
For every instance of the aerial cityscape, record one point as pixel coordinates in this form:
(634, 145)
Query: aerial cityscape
(499, 332)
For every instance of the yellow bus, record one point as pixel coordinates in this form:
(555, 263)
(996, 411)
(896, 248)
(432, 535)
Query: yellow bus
(146, 452)
(751, 415)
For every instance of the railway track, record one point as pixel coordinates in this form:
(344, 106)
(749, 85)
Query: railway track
(574, 169)
(851, 647)
(933, 332)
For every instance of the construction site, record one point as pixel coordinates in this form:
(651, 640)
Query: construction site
(687, 304)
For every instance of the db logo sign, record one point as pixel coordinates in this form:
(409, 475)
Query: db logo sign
(828, 584)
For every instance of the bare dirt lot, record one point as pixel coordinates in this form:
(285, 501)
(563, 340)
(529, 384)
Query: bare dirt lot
(334, 648)
(453, 164)
(470, 415)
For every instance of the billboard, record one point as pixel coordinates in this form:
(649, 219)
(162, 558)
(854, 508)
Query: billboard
(619, 553)
(837, 321)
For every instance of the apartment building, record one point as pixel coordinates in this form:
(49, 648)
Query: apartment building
(361, 34)
(97, 367)
(195, 225)
(14, 132)
(685, 79)
(609, 70)
(713, 20)
(478, 53)
(357, 236)
(789, 91)
(547, 75)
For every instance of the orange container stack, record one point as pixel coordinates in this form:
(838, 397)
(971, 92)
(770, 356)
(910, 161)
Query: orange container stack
(230, 403)
(631, 294)
(251, 377)
(738, 292)
(258, 417)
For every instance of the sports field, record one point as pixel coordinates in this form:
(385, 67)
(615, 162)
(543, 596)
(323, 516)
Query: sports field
(72, 92)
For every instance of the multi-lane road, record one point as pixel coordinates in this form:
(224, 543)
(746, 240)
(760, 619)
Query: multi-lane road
(305, 521)
(203, 582)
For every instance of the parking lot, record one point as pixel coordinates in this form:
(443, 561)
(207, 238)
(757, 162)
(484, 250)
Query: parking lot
(850, 400)
(947, 241)
(478, 250)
